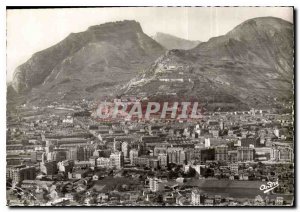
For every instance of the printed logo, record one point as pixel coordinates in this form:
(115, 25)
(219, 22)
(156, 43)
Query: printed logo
(269, 186)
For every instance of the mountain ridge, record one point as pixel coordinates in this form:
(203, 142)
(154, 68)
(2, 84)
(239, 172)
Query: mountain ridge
(250, 66)
(173, 42)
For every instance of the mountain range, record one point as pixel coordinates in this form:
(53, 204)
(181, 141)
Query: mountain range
(250, 66)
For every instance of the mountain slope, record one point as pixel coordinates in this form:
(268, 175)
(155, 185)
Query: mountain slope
(250, 66)
(88, 63)
(173, 42)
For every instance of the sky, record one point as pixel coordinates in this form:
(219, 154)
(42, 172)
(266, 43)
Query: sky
(32, 30)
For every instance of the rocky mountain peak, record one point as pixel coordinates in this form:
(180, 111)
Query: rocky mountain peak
(109, 47)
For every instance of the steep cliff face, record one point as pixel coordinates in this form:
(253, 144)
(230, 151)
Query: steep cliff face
(173, 42)
(251, 66)
(83, 63)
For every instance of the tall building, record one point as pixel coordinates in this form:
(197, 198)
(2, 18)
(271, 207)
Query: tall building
(134, 153)
(87, 153)
(49, 167)
(189, 154)
(125, 149)
(195, 197)
(71, 154)
(207, 154)
(117, 160)
(221, 125)
(44, 157)
(20, 173)
(57, 156)
(245, 154)
(207, 142)
(197, 153)
(221, 153)
(36, 156)
(162, 160)
(117, 145)
(153, 162)
(176, 155)
(81, 153)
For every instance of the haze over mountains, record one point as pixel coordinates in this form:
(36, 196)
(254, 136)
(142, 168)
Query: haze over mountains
(173, 42)
(250, 66)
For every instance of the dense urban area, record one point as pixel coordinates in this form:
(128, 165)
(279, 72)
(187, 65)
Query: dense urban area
(61, 155)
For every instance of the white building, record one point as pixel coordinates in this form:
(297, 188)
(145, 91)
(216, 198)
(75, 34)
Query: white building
(68, 120)
(103, 162)
(207, 142)
(134, 153)
(125, 149)
(117, 159)
(195, 197)
(155, 184)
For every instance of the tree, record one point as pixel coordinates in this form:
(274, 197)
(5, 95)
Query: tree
(191, 172)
